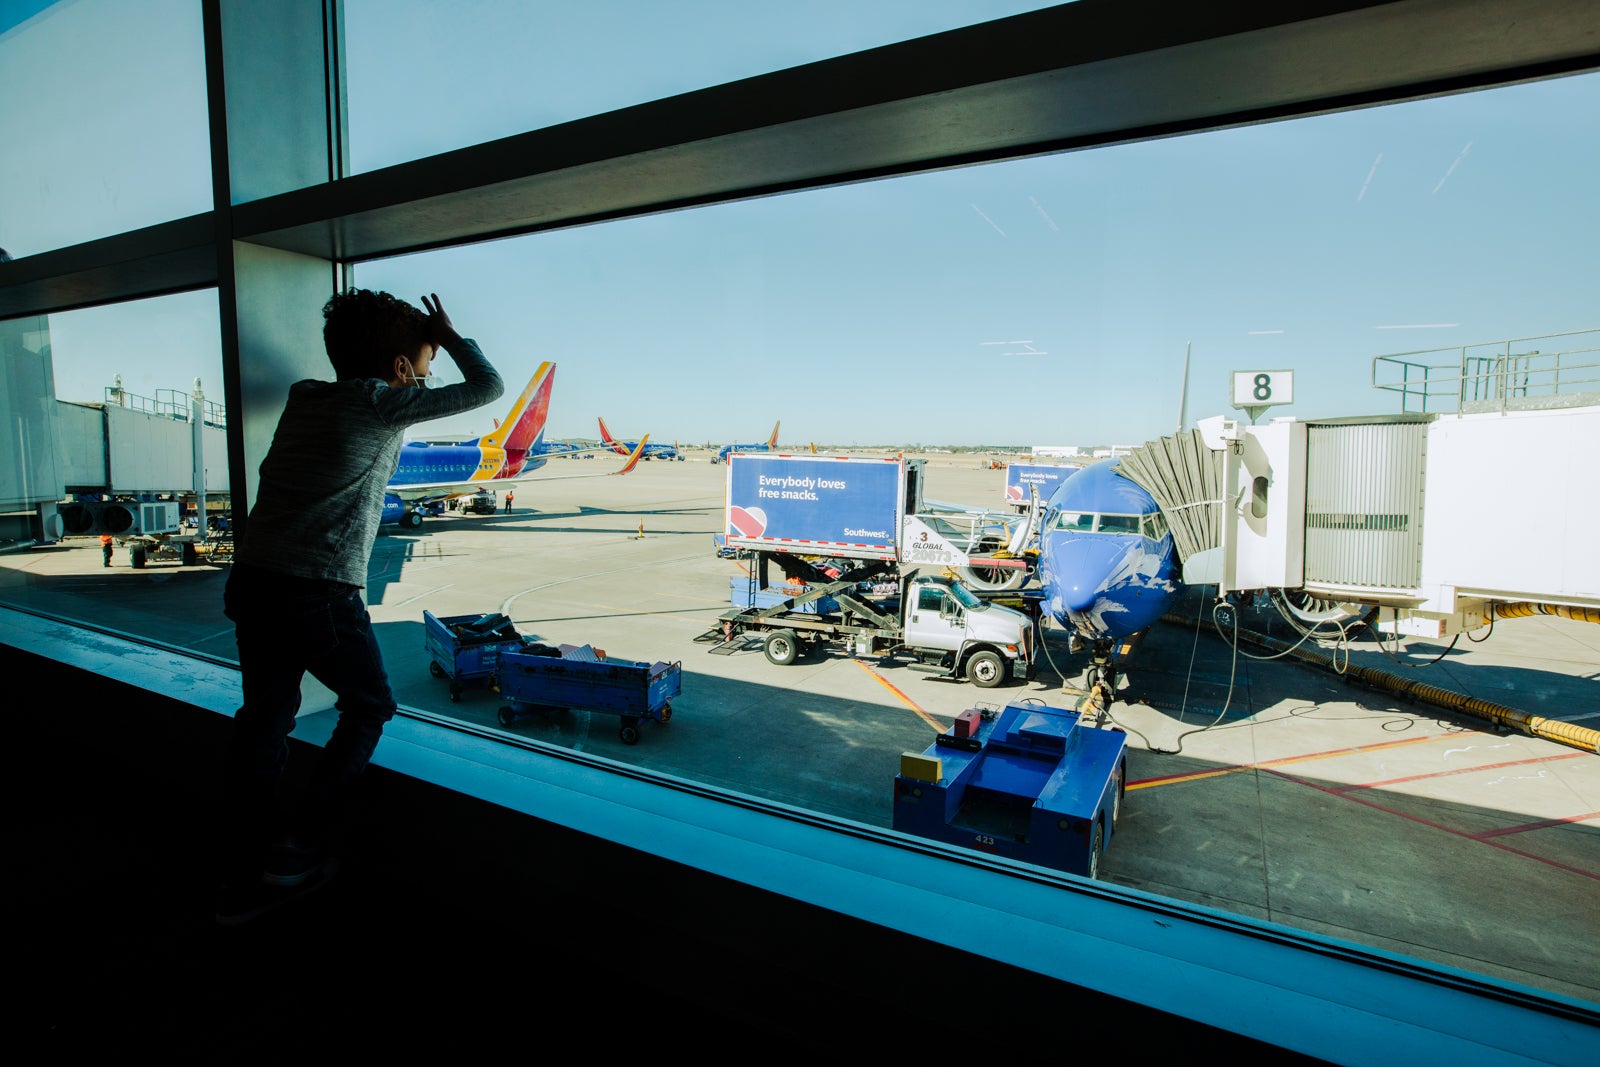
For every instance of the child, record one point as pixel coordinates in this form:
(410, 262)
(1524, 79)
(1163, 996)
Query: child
(294, 590)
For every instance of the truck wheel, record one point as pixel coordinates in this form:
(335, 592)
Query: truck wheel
(986, 670)
(1096, 846)
(782, 647)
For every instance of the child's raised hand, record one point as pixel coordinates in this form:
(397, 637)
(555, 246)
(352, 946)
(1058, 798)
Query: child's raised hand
(443, 331)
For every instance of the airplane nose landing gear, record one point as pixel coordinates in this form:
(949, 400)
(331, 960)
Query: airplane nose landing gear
(1107, 662)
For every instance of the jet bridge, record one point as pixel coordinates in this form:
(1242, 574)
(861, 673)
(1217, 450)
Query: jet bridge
(1440, 518)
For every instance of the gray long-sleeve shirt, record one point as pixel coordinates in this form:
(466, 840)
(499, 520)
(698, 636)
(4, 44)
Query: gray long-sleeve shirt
(337, 444)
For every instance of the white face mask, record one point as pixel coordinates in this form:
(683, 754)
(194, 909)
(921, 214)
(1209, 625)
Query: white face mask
(411, 379)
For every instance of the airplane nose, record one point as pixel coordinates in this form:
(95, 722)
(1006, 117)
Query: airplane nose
(1083, 567)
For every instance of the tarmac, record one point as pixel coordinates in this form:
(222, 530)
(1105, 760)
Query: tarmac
(1313, 795)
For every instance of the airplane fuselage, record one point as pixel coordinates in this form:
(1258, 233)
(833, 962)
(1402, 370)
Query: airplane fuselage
(1106, 558)
(424, 464)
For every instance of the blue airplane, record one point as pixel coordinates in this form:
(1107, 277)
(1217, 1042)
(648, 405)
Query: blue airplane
(766, 446)
(1107, 563)
(623, 448)
(432, 472)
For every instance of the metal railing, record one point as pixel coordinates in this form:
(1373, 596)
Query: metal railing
(1550, 370)
(167, 403)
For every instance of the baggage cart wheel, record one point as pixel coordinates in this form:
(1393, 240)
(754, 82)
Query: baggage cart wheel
(507, 715)
(782, 647)
(434, 669)
(455, 694)
(629, 734)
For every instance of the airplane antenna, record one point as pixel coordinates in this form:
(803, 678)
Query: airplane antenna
(1183, 396)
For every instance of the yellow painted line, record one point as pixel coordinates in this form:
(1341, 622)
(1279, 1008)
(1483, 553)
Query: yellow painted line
(907, 701)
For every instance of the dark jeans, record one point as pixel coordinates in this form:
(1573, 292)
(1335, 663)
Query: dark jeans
(286, 627)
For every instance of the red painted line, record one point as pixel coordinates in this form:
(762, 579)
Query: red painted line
(1460, 770)
(1191, 776)
(1593, 875)
(1540, 825)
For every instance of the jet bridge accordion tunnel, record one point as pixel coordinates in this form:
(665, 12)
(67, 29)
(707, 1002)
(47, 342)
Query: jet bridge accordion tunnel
(1384, 519)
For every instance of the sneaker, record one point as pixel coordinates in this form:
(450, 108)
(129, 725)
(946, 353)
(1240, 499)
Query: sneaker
(239, 903)
(289, 864)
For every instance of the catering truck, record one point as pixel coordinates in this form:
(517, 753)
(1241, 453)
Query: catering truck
(867, 509)
(1021, 478)
(866, 566)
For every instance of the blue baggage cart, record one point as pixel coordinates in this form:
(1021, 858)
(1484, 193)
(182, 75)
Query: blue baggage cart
(578, 676)
(466, 648)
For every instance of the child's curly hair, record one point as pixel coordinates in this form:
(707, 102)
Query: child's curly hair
(364, 329)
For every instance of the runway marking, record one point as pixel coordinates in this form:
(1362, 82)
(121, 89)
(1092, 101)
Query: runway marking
(1193, 776)
(1480, 837)
(1542, 824)
(907, 701)
(1458, 771)
(1346, 792)
(419, 596)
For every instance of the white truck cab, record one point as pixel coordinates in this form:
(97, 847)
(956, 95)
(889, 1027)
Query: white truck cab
(988, 642)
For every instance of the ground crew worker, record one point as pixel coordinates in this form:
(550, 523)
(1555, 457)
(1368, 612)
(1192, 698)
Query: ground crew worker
(105, 547)
(510, 496)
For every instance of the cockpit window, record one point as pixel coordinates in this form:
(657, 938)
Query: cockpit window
(1073, 520)
(1155, 526)
(1122, 524)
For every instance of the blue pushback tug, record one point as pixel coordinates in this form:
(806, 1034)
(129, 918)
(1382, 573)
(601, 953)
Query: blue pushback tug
(1029, 782)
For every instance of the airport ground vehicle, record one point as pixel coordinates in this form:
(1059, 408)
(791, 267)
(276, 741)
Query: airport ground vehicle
(870, 509)
(486, 651)
(1021, 477)
(1029, 782)
(481, 503)
(466, 649)
(931, 618)
(545, 679)
(870, 564)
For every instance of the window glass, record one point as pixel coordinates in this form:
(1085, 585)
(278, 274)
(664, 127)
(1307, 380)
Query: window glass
(426, 78)
(1119, 524)
(1155, 526)
(113, 135)
(114, 392)
(1074, 520)
(1076, 281)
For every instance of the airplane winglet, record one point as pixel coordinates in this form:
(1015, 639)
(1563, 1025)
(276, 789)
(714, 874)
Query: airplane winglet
(633, 460)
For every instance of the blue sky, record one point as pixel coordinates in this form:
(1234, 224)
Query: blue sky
(1048, 300)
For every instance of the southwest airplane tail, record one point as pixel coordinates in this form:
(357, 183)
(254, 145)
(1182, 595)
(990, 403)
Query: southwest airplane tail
(626, 448)
(522, 430)
(769, 445)
(609, 441)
